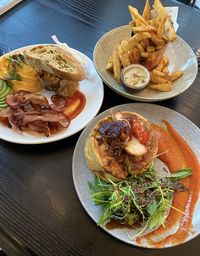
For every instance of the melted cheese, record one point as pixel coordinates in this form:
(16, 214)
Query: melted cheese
(29, 77)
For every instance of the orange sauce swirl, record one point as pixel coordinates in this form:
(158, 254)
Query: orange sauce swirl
(178, 155)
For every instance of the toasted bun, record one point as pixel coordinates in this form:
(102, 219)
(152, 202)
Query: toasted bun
(102, 163)
(56, 61)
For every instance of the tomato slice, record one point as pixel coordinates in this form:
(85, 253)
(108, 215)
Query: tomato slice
(140, 131)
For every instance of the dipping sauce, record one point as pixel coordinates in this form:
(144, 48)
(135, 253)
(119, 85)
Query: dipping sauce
(135, 76)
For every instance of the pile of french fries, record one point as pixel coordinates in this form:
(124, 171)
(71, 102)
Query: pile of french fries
(146, 47)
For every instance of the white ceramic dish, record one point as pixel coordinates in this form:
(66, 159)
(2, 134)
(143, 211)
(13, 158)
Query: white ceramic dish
(179, 53)
(131, 68)
(81, 174)
(91, 87)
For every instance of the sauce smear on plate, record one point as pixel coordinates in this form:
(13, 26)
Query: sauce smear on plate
(74, 105)
(178, 155)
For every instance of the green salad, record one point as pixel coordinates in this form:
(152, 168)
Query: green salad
(139, 201)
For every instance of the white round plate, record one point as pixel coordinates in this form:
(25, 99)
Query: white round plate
(81, 173)
(91, 87)
(179, 53)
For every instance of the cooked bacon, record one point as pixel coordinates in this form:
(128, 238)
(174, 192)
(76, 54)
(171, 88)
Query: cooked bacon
(59, 103)
(39, 127)
(22, 119)
(5, 113)
(13, 100)
(32, 112)
(36, 99)
(19, 99)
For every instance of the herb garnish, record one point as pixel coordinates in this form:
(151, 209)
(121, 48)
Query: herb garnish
(15, 61)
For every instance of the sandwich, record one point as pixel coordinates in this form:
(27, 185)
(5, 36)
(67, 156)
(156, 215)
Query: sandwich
(59, 70)
(119, 145)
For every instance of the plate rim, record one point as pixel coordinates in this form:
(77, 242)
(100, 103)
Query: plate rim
(109, 232)
(54, 139)
(132, 96)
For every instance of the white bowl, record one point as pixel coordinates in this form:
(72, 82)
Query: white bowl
(180, 56)
(135, 87)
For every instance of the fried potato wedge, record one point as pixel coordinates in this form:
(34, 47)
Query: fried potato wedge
(124, 57)
(150, 49)
(169, 29)
(116, 66)
(161, 26)
(156, 40)
(165, 87)
(175, 75)
(136, 39)
(157, 79)
(163, 63)
(147, 11)
(158, 73)
(144, 28)
(140, 47)
(145, 54)
(134, 56)
(138, 23)
(109, 65)
(135, 15)
(165, 70)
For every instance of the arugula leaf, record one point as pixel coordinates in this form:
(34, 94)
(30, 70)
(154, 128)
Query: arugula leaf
(158, 218)
(105, 217)
(181, 174)
(152, 208)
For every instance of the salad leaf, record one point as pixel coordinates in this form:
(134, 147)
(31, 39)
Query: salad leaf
(181, 174)
(152, 208)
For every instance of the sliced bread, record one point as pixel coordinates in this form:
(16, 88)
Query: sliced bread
(53, 59)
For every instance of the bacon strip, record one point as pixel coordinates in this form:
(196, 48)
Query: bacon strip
(32, 112)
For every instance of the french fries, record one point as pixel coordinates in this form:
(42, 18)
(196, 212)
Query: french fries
(150, 49)
(124, 57)
(146, 47)
(109, 66)
(135, 14)
(147, 11)
(175, 75)
(163, 63)
(116, 66)
(161, 26)
(144, 28)
(136, 39)
(157, 79)
(165, 70)
(156, 72)
(165, 87)
(169, 29)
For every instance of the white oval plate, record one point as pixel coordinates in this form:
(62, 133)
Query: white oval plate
(91, 87)
(180, 56)
(81, 173)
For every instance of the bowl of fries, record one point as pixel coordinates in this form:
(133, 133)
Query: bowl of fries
(153, 43)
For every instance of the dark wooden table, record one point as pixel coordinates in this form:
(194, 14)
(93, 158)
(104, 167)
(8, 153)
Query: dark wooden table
(38, 203)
